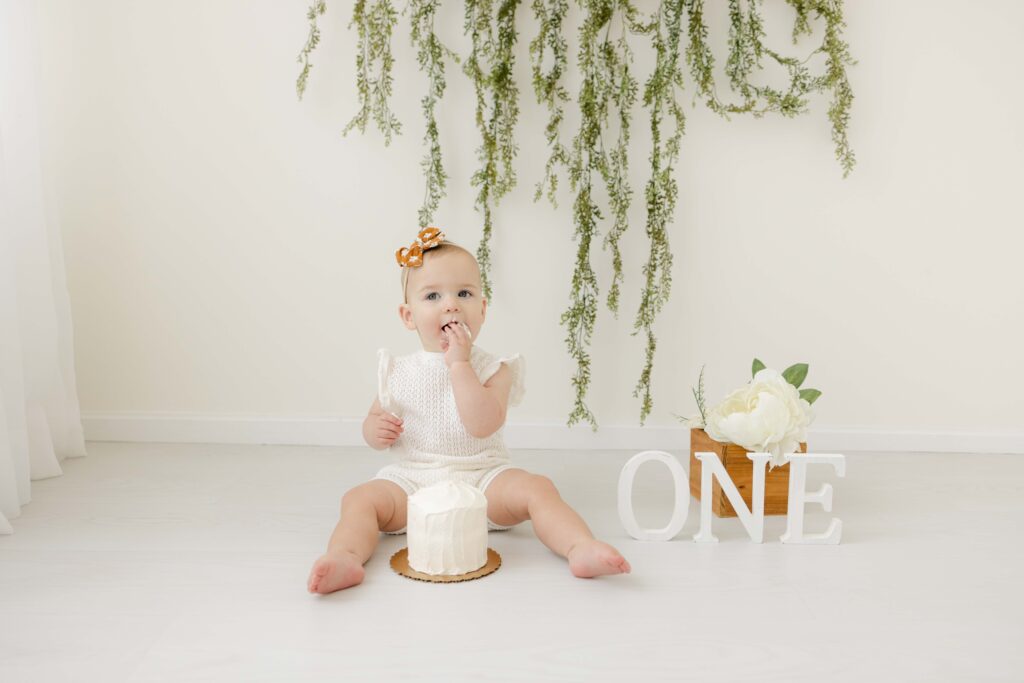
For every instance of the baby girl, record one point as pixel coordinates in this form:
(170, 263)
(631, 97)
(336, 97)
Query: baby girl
(443, 408)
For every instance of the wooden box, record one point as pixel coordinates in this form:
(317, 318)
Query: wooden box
(741, 469)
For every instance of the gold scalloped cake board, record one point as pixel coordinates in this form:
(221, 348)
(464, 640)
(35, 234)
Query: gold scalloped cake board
(400, 563)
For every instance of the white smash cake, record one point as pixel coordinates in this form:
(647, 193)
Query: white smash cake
(447, 529)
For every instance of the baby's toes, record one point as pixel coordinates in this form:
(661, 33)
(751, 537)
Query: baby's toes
(614, 559)
(317, 574)
(596, 559)
(622, 565)
(335, 572)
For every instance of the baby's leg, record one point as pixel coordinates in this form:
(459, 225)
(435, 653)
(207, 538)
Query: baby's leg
(366, 510)
(516, 495)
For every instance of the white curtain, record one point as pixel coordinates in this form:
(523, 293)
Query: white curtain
(40, 422)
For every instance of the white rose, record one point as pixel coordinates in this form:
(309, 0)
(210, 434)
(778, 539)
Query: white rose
(765, 416)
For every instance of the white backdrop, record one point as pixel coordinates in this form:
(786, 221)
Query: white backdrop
(230, 259)
(39, 412)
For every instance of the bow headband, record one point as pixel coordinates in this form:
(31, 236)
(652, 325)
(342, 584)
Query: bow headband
(412, 256)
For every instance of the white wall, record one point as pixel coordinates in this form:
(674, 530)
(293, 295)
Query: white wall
(229, 254)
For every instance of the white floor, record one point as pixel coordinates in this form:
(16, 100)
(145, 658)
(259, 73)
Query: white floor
(189, 562)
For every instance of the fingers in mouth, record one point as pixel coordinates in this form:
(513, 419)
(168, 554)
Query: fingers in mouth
(448, 330)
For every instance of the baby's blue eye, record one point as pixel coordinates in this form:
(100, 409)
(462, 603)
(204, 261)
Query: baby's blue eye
(432, 296)
(467, 293)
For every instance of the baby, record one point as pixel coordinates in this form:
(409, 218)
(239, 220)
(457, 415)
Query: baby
(443, 409)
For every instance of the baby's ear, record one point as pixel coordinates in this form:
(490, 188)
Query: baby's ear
(405, 313)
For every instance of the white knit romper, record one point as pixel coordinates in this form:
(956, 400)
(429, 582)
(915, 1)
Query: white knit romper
(434, 445)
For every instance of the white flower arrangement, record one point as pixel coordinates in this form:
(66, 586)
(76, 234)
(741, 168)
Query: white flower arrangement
(769, 415)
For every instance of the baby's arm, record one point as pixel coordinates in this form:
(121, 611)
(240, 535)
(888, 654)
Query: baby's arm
(381, 428)
(482, 407)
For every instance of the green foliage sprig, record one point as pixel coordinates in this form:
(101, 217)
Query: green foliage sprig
(838, 52)
(430, 53)
(607, 88)
(665, 29)
(586, 155)
(489, 66)
(550, 15)
(374, 63)
(698, 396)
(317, 9)
(745, 48)
(616, 60)
(746, 53)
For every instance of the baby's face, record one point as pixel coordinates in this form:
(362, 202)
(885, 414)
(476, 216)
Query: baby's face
(445, 288)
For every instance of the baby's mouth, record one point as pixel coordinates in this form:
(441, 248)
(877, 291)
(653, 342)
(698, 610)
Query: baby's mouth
(446, 328)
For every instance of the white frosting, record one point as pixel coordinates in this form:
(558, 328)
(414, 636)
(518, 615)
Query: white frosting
(447, 529)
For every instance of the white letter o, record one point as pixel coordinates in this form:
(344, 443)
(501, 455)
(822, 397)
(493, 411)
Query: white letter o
(682, 504)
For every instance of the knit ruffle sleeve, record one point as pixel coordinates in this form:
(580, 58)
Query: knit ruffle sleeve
(517, 364)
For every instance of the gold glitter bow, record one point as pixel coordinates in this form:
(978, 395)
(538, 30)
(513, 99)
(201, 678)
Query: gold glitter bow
(412, 256)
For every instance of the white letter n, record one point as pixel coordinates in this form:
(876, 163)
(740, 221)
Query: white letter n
(753, 519)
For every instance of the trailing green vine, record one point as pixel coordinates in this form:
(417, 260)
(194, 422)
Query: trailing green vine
(746, 52)
(317, 9)
(665, 29)
(596, 160)
(586, 156)
(835, 79)
(374, 63)
(745, 48)
(550, 15)
(430, 54)
(607, 88)
(616, 60)
(489, 66)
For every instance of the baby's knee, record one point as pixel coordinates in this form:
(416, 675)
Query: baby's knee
(539, 485)
(363, 493)
(381, 498)
(354, 499)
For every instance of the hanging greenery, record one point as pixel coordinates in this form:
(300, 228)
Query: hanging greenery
(550, 15)
(596, 160)
(430, 54)
(489, 66)
(317, 9)
(607, 90)
(665, 29)
(374, 63)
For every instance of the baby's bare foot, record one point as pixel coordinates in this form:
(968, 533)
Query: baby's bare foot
(594, 558)
(335, 571)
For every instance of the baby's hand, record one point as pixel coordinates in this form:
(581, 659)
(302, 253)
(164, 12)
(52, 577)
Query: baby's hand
(386, 429)
(457, 343)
